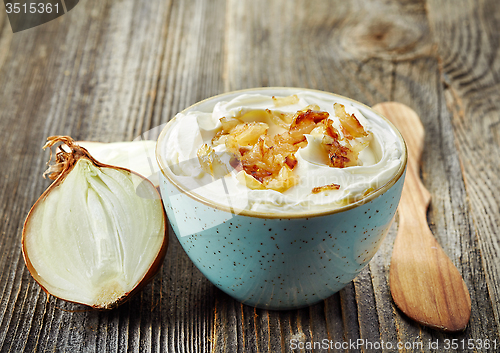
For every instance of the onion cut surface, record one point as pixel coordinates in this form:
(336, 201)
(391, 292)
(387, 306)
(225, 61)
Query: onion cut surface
(92, 238)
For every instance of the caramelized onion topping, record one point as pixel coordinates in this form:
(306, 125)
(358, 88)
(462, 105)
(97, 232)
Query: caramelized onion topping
(270, 158)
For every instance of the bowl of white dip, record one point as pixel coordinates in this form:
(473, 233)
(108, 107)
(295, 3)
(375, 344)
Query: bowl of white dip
(294, 230)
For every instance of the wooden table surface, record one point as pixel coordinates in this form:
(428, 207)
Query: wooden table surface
(110, 70)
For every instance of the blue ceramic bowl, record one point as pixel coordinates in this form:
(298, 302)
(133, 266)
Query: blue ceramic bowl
(279, 261)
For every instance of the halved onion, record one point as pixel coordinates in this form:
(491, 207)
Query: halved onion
(92, 238)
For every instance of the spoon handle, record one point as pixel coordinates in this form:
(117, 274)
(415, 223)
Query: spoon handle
(415, 198)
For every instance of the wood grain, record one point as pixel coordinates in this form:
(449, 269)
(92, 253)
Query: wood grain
(470, 68)
(111, 70)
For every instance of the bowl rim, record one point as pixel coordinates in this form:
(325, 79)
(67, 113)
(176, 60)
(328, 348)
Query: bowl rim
(282, 215)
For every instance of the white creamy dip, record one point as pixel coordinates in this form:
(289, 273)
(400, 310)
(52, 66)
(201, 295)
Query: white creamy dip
(377, 164)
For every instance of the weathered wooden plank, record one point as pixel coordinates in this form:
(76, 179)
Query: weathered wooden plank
(468, 47)
(112, 70)
(92, 77)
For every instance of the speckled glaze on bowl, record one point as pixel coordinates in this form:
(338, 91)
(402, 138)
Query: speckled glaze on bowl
(281, 260)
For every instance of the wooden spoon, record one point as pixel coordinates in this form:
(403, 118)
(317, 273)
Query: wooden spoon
(424, 283)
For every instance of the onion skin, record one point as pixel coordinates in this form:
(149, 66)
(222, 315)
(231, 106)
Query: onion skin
(58, 173)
